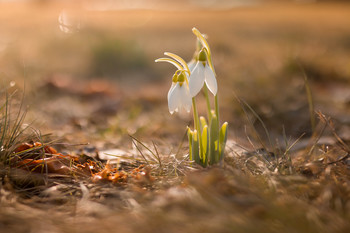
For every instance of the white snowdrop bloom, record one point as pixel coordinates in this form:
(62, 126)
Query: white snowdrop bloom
(202, 73)
(179, 94)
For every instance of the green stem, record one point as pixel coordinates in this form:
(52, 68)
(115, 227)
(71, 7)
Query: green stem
(217, 108)
(196, 124)
(217, 155)
(208, 102)
(195, 114)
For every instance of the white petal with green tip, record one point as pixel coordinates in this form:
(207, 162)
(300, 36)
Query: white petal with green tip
(210, 80)
(174, 99)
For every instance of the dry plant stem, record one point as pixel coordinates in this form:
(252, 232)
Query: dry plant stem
(316, 136)
(311, 103)
(329, 123)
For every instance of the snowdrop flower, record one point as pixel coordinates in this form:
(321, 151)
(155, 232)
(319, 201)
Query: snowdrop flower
(179, 94)
(202, 73)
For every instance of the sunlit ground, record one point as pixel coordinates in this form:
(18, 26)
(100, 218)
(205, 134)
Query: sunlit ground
(88, 77)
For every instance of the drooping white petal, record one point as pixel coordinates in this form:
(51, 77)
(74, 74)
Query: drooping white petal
(171, 89)
(186, 100)
(174, 99)
(210, 80)
(196, 80)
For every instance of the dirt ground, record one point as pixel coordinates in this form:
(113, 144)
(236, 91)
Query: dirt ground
(90, 88)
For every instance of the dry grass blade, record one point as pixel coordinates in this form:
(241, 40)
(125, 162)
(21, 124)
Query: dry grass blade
(154, 154)
(12, 130)
(294, 143)
(139, 149)
(157, 153)
(327, 121)
(316, 136)
(309, 99)
(330, 124)
(181, 144)
(244, 105)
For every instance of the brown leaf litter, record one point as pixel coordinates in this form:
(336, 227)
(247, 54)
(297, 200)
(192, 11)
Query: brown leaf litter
(39, 158)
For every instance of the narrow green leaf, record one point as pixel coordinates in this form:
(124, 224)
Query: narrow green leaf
(223, 139)
(205, 146)
(214, 141)
(195, 147)
(203, 122)
(190, 135)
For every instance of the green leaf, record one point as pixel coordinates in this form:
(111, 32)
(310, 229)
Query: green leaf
(205, 146)
(195, 147)
(223, 139)
(203, 122)
(214, 141)
(190, 135)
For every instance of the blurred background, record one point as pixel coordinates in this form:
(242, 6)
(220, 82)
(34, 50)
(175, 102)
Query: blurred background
(87, 68)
